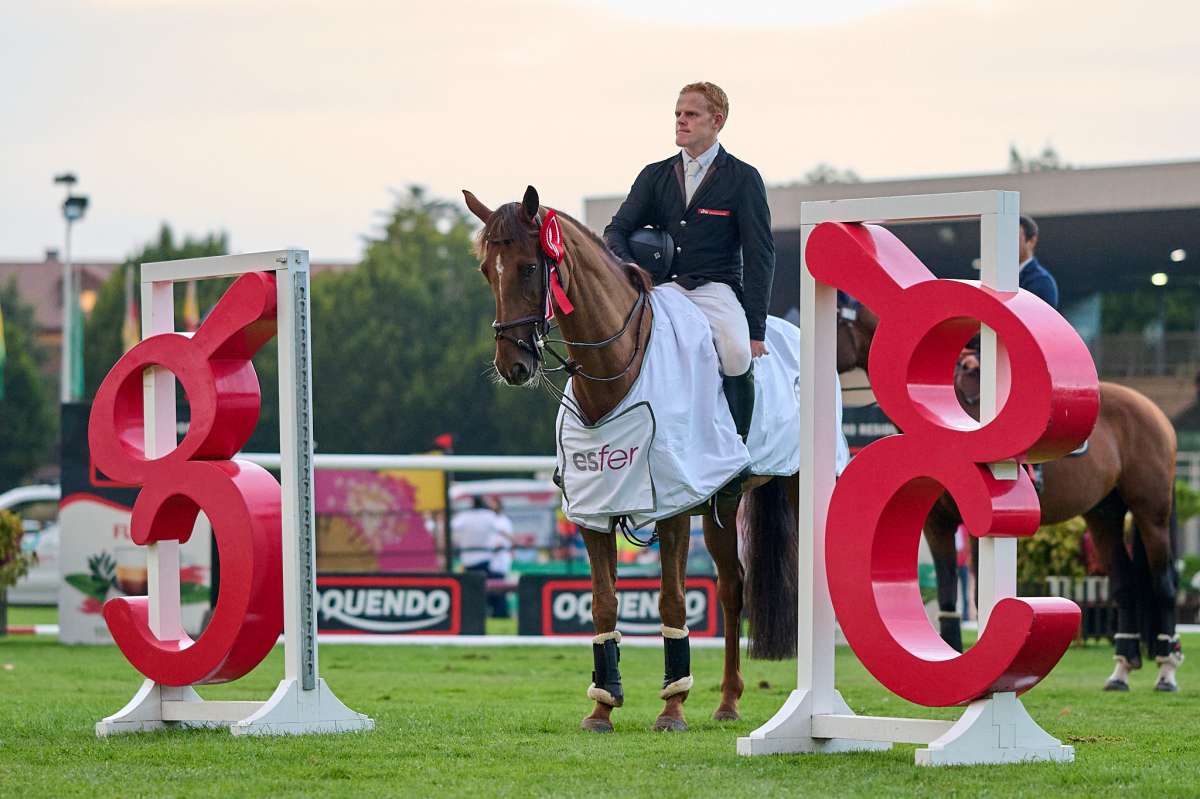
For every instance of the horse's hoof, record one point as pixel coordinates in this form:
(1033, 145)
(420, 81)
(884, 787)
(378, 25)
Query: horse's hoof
(596, 725)
(1116, 685)
(669, 724)
(726, 715)
(1166, 687)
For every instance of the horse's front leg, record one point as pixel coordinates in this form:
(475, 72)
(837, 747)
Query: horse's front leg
(673, 540)
(940, 530)
(723, 547)
(606, 655)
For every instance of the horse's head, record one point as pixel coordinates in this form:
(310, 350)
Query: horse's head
(966, 381)
(856, 325)
(511, 259)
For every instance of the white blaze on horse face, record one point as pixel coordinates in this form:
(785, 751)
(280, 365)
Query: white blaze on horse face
(499, 293)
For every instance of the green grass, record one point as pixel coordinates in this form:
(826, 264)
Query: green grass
(484, 722)
(32, 614)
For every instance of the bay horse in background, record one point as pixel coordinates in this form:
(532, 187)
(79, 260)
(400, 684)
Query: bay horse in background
(610, 295)
(1128, 466)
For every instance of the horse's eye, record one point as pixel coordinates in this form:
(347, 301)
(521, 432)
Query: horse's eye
(528, 269)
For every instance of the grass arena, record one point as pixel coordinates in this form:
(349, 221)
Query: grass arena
(503, 721)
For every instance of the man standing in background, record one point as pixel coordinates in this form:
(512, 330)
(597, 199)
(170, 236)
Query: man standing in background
(484, 537)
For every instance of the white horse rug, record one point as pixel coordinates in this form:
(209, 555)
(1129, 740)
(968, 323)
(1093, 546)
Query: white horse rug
(670, 444)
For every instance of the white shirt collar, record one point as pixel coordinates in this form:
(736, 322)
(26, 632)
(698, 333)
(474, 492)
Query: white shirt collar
(1025, 263)
(705, 158)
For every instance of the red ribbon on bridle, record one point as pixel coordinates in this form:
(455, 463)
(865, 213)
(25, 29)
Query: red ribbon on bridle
(552, 245)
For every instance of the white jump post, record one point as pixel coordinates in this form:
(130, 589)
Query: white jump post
(302, 702)
(815, 718)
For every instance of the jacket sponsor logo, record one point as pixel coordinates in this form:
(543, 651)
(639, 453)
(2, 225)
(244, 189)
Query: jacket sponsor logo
(567, 607)
(604, 459)
(388, 605)
(713, 211)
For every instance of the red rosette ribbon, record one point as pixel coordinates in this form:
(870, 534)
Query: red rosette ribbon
(552, 244)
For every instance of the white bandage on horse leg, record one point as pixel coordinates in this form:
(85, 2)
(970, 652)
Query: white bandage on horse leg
(674, 632)
(677, 687)
(1167, 664)
(615, 635)
(1121, 671)
(601, 695)
(949, 614)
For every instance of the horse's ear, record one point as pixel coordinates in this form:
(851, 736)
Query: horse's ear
(479, 209)
(529, 203)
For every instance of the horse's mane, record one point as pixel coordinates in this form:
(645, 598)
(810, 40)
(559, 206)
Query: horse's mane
(506, 224)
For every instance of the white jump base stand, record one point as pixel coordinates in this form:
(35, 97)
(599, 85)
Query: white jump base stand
(302, 702)
(815, 718)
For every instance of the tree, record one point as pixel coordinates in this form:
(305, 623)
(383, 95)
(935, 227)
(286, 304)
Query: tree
(1046, 161)
(28, 418)
(102, 330)
(402, 346)
(824, 173)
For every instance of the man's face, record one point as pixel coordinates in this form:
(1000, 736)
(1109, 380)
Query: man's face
(1024, 246)
(696, 127)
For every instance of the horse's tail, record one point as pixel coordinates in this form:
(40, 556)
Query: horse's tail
(770, 558)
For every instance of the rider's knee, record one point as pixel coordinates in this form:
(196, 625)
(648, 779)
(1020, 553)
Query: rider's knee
(734, 355)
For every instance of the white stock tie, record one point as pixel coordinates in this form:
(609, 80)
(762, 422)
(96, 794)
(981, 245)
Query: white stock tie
(691, 179)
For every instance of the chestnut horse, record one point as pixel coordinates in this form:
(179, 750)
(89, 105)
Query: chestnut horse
(606, 336)
(1128, 466)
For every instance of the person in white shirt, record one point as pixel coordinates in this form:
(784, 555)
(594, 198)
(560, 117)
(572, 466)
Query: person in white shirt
(483, 537)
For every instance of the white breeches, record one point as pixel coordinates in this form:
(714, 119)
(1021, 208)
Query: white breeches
(726, 319)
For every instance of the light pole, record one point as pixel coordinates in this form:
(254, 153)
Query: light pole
(73, 208)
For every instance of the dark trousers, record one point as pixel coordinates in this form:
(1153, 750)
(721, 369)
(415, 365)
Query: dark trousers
(497, 600)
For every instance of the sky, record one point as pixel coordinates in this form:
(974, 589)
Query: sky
(292, 123)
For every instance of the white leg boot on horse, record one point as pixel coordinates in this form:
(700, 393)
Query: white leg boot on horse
(722, 544)
(606, 687)
(674, 538)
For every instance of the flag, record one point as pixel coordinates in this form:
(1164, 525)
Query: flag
(191, 308)
(3, 353)
(131, 332)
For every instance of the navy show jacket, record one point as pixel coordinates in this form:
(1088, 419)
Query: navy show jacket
(723, 235)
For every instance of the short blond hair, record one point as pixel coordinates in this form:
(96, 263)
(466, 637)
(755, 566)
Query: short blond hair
(714, 96)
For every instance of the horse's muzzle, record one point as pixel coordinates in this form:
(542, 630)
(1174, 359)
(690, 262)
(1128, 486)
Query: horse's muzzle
(518, 374)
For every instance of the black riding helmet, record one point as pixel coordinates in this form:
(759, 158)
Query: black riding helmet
(653, 250)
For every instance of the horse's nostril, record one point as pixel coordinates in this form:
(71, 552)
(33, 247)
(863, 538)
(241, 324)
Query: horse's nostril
(518, 373)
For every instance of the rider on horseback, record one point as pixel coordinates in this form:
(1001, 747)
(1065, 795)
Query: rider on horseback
(714, 207)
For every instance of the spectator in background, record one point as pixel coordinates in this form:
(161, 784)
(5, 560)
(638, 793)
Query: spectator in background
(1034, 277)
(962, 546)
(483, 536)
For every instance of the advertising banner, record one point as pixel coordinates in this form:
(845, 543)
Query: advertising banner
(865, 424)
(395, 604)
(373, 522)
(97, 557)
(563, 606)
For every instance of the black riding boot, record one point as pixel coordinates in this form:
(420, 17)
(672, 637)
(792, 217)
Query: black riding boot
(606, 677)
(739, 393)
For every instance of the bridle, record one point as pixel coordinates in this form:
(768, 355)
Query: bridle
(960, 368)
(847, 320)
(551, 252)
